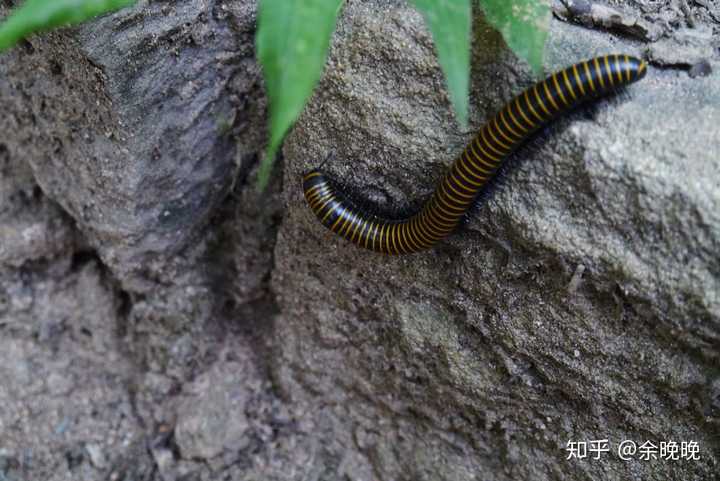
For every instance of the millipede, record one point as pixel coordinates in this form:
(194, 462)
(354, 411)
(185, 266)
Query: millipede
(477, 164)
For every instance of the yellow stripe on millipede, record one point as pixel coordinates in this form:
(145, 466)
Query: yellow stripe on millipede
(627, 68)
(609, 71)
(435, 230)
(315, 203)
(466, 179)
(417, 235)
(341, 216)
(447, 209)
(507, 126)
(313, 190)
(451, 199)
(522, 112)
(549, 95)
(381, 229)
(409, 239)
(479, 159)
(514, 120)
(448, 183)
(380, 236)
(497, 140)
(311, 175)
(312, 195)
(422, 225)
(362, 225)
(589, 76)
(347, 224)
(402, 240)
(396, 237)
(358, 230)
(312, 199)
(423, 228)
(354, 225)
(415, 230)
(315, 197)
(389, 237)
(618, 68)
(391, 232)
(429, 225)
(532, 109)
(410, 245)
(576, 74)
(476, 142)
(330, 210)
(569, 85)
(598, 70)
(402, 248)
(559, 90)
(488, 144)
(440, 219)
(393, 238)
(319, 206)
(367, 234)
(344, 223)
(539, 99)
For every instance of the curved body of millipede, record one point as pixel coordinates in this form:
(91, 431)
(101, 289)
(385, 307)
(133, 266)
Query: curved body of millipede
(477, 164)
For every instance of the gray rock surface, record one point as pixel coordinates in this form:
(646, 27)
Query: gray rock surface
(156, 102)
(580, 301)
(161, 320)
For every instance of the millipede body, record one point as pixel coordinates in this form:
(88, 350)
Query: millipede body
(478, 163)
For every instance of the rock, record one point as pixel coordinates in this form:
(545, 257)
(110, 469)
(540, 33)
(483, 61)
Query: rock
(94, 281)
(63, 397)
(579, 302)
(212, 417)
(488, 354)
(686, 48)
(97, 457)
(32, 227)
(603, 16)
(142, 166)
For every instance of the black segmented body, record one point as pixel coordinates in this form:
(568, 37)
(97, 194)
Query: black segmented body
(477, 164)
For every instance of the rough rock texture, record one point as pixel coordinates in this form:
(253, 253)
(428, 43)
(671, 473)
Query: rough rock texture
(153, 110)
(155, 101)
(160, 320)
(579, 302)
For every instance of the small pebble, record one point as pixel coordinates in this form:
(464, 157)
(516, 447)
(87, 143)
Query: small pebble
(97, 457)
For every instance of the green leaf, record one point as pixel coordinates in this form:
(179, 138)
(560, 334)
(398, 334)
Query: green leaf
(292, 43)
(38, 15)
(524, 26)
(449, 23)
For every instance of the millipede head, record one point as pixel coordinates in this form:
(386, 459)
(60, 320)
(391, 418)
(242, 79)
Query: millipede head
(312, 178)
(636, 67)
